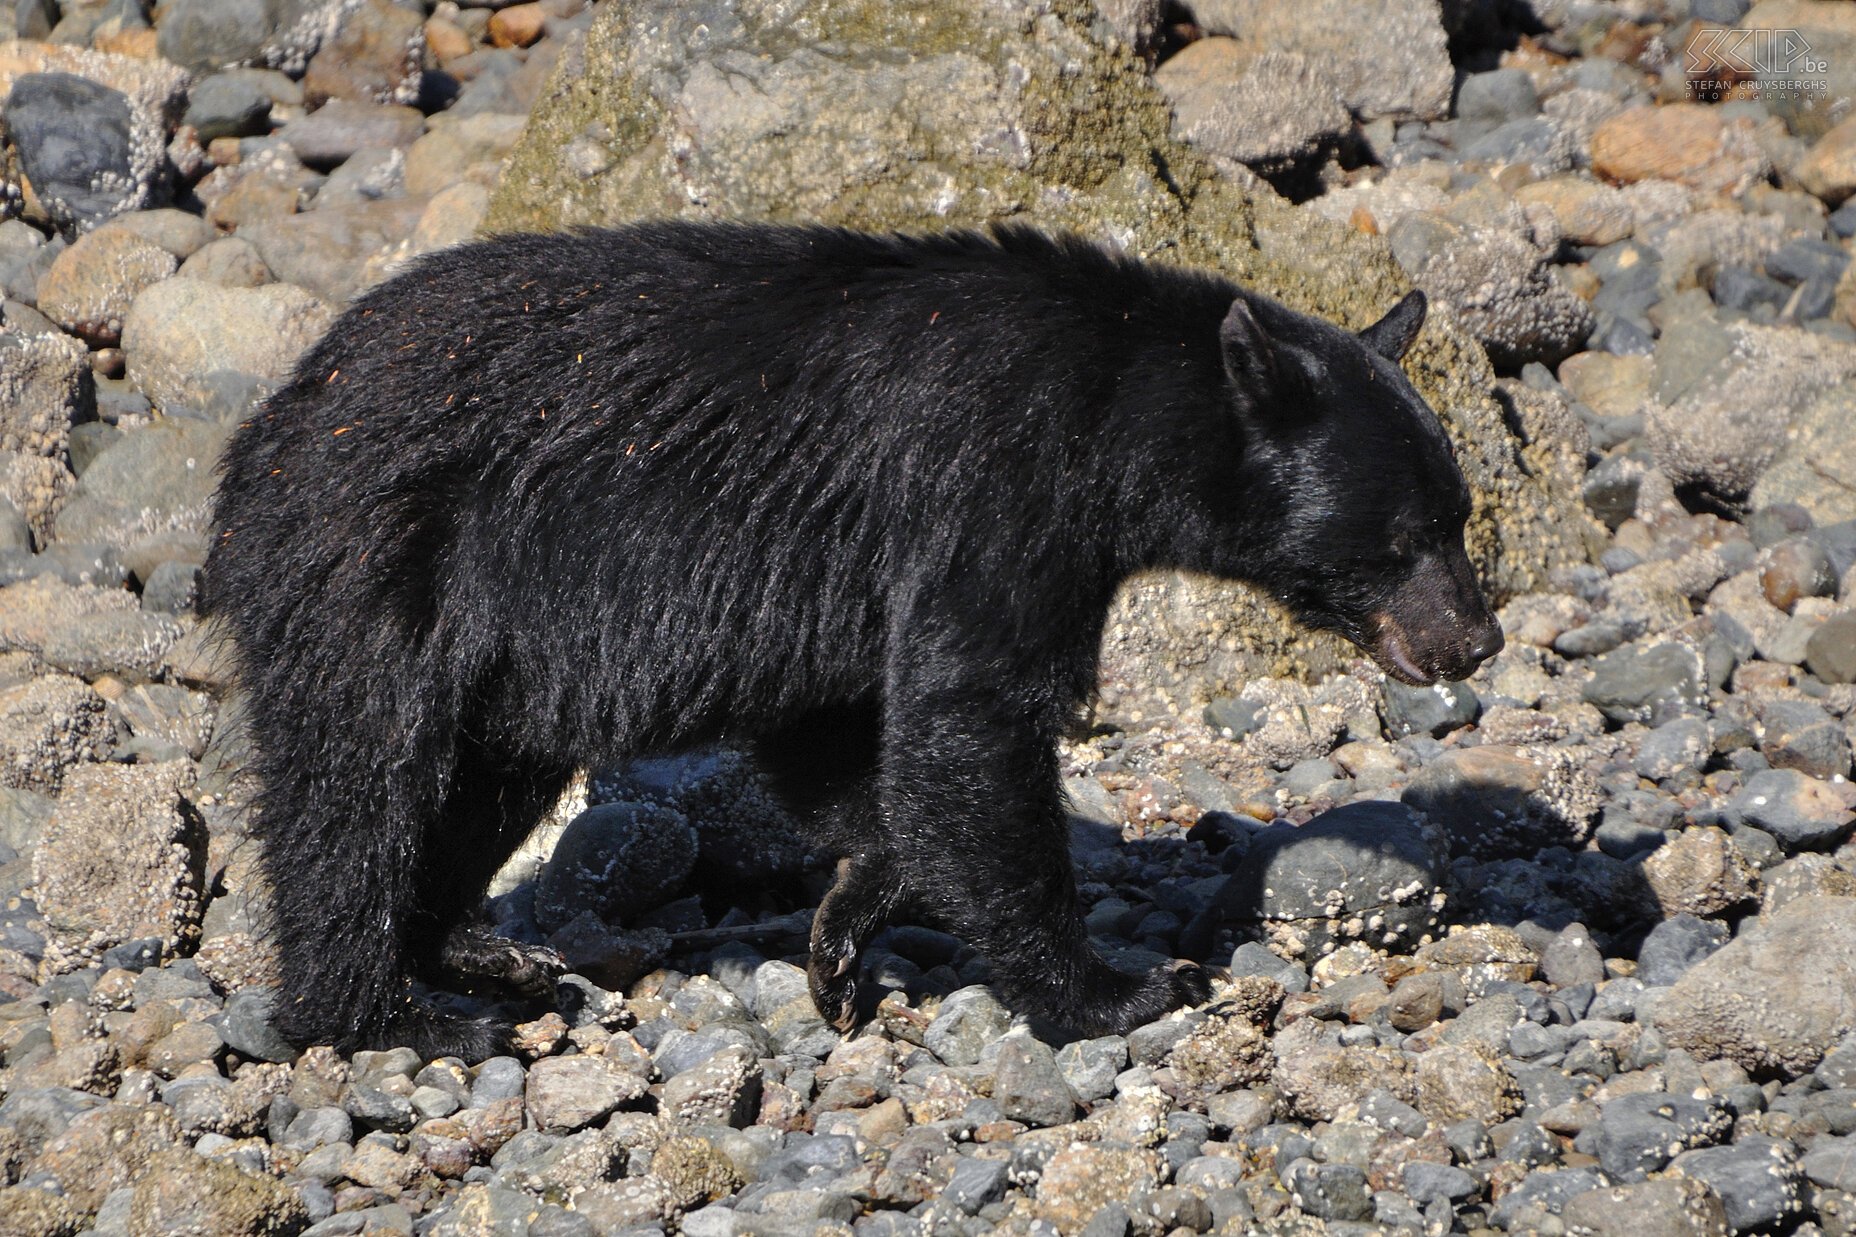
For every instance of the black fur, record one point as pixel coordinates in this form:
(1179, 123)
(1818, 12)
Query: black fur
(858, 502)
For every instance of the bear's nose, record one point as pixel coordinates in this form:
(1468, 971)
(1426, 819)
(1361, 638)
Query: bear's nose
(1488, 644)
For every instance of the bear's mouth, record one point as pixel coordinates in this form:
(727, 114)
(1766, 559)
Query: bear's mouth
(1390, 647)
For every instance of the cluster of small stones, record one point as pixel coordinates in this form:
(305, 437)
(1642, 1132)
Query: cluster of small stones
(1569, 948)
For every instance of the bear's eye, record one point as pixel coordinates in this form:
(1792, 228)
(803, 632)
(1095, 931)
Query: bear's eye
(1401, 546)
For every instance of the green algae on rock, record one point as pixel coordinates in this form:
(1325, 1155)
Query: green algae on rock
(912, 115)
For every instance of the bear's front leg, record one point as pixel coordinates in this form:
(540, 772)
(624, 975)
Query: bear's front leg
(975, 828)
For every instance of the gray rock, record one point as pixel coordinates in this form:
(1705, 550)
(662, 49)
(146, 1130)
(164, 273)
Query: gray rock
(38, 1115)
(1029, 1085)
(1330, 1191)
(1830, 654)
(227, 105)
(1427, 1182)
(379, 1109)
(1496, 278)
(1240, 1112)
(1831, 1163)
(1572, 958)
(969, 1019)
(121, 860)
(1495, 801)
(48, 726)
(1397, 65)
(318, 1127)
(1675, 748)
(498, 1078)
(172, 588)
(1539, 141)
(1799, 735)
(1267, 110)
(1806, 258)
(231, 260)
(616, 860)
(152, 480)
(1676, 944)
(1742, 290)
(1435, 710)
(246, 1026)
(1486, 100)
(329, 251)
(1090, 1066)
(1777, 998)
(1802, 812)
(74, 142)
(1758, 1179)
(45, 385)
(1251, 958)
(723, 1090)
(1233, 716)
(1632, 683)
(1540, 1194)
(1364, 870)
(204, 35)
(744, 833)
(203, 348)
(569, 1093)
(975, 1183)
(330, 135)
(1664, 1208)
(1817, 465)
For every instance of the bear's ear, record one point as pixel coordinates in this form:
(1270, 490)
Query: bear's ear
(1249, 356)
(1391, 337)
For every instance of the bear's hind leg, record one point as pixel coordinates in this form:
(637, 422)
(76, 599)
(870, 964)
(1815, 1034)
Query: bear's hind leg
(339, 841)
(495, 801)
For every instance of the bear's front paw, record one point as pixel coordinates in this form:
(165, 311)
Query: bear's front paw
(832, 977)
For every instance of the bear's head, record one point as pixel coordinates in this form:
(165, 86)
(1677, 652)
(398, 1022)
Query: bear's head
(1352, 499)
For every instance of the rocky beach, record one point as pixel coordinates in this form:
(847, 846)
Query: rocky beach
(1569, 948)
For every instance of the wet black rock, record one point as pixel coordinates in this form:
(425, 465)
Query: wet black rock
(73, 138)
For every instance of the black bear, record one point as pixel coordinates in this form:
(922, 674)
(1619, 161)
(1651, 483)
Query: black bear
(856, 503)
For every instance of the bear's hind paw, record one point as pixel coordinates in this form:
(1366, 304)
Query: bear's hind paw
(527, 969)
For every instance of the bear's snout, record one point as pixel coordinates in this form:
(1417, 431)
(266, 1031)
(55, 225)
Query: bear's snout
(1436, 626)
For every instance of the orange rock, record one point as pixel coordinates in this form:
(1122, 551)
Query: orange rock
(1685, 142)
(447, 39)
(516, 26)
(136, 44)
(1828, 169)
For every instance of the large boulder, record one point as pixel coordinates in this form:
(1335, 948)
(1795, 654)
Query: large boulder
(122, 860)
(866, 114)
(1775, 999)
